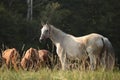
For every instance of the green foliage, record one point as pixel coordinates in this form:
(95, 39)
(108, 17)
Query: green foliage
(77, 17)
(53, 13)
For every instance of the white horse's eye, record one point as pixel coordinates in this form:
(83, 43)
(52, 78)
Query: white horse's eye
(46, 30)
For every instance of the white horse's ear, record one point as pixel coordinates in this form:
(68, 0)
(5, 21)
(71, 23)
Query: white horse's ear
(42, 23)
(47, 22)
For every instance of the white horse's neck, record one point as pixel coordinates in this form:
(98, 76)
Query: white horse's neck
(56, 35)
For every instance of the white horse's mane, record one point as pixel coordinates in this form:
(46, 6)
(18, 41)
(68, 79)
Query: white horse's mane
(57, 31)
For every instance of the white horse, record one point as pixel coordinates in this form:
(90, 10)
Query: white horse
(96, 46)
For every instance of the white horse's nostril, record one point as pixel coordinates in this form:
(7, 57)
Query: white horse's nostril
(42, 37)
(40, 40)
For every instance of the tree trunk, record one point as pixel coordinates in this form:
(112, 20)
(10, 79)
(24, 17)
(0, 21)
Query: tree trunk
(29, 11)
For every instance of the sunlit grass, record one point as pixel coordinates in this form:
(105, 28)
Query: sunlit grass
(45, 74)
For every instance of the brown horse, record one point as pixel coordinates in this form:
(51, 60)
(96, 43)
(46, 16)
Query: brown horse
(44, 57)
(11, 58)
(30, 59)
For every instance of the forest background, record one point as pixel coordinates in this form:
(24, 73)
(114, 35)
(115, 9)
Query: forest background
(21, 29)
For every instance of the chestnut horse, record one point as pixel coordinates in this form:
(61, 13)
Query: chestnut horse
(44, 57)
(11, 58)
(30, 60)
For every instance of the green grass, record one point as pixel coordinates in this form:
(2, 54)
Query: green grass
(45, 74)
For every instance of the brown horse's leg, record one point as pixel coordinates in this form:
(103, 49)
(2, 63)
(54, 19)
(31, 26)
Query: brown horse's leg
(15, 66)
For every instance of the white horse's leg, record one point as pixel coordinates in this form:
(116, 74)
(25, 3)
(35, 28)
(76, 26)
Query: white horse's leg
(92, 57)
(62, 56)
(92, 61)
(63, 60)
(103, 61)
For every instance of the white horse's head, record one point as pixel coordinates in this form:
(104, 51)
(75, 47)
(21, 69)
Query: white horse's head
(45, 32)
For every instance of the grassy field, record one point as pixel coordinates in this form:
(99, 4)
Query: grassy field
(45, 74)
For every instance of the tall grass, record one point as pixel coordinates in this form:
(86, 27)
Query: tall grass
(58, 74)
(46, 74)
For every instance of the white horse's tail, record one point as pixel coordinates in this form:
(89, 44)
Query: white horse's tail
(109, 56)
